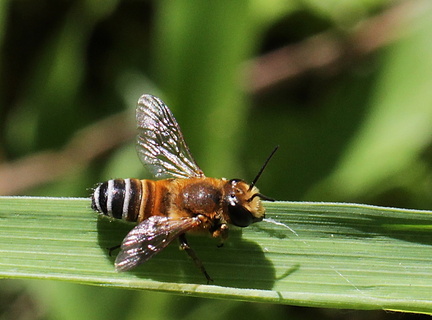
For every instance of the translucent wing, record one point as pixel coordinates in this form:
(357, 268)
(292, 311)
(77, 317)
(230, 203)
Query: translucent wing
(148, 238)
(160, 143)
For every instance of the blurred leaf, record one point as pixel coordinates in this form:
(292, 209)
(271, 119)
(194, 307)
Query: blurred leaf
(341, 255)
(199, 48)
(124, 163)
(345, 12)
(266, 12)
(65, 300)
(397, 127)
(51, 96)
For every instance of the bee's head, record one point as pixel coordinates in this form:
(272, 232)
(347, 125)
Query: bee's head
(243, 203)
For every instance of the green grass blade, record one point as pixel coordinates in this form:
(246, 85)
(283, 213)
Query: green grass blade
(338, 255)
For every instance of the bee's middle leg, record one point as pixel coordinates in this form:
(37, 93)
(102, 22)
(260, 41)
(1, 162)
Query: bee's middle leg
(184, 245)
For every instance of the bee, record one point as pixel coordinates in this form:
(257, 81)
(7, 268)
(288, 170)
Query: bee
(185, 200)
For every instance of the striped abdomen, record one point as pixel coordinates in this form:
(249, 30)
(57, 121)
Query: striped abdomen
(120, 198)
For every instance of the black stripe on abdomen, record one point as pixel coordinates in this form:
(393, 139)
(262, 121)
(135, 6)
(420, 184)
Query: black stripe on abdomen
(119, 198)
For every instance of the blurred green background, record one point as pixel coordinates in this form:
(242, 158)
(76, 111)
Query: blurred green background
(344, 87)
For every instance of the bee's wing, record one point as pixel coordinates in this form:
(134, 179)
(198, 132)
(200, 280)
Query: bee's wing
(148, 238)
(161, 146)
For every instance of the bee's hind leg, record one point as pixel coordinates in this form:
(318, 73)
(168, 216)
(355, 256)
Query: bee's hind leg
(184, 245)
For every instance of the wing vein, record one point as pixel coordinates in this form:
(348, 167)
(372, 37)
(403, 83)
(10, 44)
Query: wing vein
(160, 143)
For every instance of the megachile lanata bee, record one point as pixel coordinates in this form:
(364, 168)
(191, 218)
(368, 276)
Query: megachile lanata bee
(185, 201)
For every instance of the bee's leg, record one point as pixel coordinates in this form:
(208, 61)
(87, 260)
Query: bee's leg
(111, 249)
(184, 245)
(222, 233)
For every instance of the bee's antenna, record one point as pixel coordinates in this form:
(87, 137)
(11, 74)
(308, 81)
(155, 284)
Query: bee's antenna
(262, 168)
(263, 197)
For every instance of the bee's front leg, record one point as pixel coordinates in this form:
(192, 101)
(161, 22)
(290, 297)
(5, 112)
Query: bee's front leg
(222, 233)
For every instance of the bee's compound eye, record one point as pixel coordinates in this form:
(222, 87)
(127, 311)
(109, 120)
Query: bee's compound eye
(240, 216)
